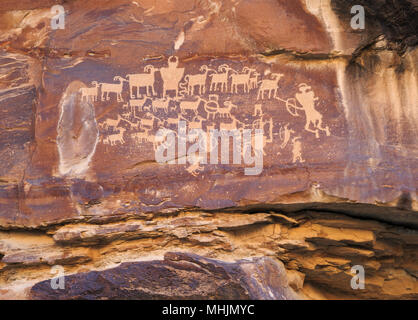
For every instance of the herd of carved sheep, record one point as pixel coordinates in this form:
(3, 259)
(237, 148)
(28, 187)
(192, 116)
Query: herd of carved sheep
(223, 80)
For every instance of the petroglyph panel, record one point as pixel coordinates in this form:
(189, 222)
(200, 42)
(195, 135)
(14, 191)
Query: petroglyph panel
(219, 96)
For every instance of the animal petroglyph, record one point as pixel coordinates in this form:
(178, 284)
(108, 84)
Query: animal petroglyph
(190, 105)
(180, 97)
(220, 79)
(113, 139)
(254, 80)
(196, 80)
(138, 103)
(142, 80)
(90, 93)
(161, 104)
(108, 123)
(113, 88)
(269, 86)
(241, 79)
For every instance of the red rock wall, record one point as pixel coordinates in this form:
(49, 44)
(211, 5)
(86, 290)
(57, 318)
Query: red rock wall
(337, 106)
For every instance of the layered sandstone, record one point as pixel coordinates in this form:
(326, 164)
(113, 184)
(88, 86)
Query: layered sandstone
(81, 187)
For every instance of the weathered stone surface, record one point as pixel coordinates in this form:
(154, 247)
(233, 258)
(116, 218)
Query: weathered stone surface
(178, 276)
(80, 184)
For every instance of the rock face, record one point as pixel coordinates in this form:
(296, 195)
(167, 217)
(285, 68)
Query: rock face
(178, 276)
(267, 130)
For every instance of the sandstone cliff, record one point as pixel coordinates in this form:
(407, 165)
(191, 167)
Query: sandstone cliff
(332, 185)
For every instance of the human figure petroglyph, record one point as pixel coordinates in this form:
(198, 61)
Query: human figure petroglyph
(306, 98)
(196, 80)
(297, 150)
(142, 80)
(171, 76)
(260, 124)
(90, 93)
(116, 88)
(220, 78)
(113, 139)
(285, 134)
(241, 79)
(270, 86)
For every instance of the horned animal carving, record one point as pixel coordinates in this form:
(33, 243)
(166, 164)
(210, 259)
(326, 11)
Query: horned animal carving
(270, 86)
(241, 79)
(113, 88)
(197, 80)
(142, 80)
(90, 93)
(220, 78)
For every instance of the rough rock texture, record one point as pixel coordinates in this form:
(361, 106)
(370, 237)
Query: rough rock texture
(80, 186)
(178, 276)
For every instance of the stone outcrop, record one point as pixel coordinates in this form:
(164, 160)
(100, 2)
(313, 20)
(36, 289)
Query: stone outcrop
(178, 276)
(81, 113)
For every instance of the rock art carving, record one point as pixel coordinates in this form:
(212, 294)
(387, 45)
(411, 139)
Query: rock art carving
(114, 138)
(285, 134)
(160, 104)
(258, 109)
(269, 86)
(171, 76)
(241, 79)
(90, 93)
(220, 79)
(297, 150)
(138, 103)
(142, 80)
(113, 88)
(153, 109)
(306, 98)
(196, 80)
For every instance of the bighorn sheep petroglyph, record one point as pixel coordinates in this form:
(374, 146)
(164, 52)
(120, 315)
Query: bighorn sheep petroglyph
(114, 138)
(161, 104)
(220, 78)
(90, 93)
(196, 80)
(270, 86)
(239, 79)
(113, 88)
(142, 80)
